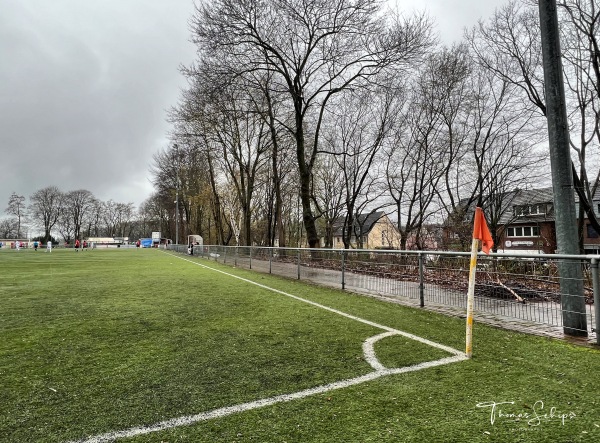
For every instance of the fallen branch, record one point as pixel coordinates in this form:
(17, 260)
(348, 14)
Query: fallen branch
(519, 299)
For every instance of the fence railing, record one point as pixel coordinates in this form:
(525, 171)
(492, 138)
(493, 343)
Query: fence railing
(508, 287)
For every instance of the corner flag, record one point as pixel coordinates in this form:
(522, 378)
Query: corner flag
(481, 231)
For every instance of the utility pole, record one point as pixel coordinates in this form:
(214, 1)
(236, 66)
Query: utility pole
(571, 283)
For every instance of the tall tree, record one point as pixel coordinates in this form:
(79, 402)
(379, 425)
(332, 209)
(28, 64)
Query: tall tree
(16, 207)
(78, 204)
(317, 49)
(45, 208)
(8, 228)
(509, 45)
(499, 155)
(360, 126)
(427, 142)
(245, 140)
(328, 194)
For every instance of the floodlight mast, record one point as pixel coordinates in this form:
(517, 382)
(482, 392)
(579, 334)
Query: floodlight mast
(571, 281)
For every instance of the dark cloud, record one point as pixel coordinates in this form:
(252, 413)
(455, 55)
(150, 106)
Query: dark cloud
(85, 85)
(84, 89)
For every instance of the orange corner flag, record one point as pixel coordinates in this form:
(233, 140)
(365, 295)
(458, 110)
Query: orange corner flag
(481, 231)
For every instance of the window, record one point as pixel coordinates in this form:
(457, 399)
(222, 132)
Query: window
(538, 210)
(523, 211)
(591, 232)
(523, 231)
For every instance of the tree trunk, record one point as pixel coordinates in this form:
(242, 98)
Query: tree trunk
(217, 203)
(276, 180)
(305, 173)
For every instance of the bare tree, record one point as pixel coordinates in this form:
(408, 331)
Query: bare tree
(197, 119)
(273, 111)
(245, 140)
(579, 42)
(152, 215)
(8, 228)
(45, 208)
(317, 49)
(416, 160)
(502, 154)
(77, 206)
(16, 207)
(64, 224)
(328, 194)
(360, 126)
(509, 45)
(94, 218)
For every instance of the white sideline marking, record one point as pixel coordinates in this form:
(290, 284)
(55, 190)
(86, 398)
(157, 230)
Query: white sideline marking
(368, 350)
(335, 311)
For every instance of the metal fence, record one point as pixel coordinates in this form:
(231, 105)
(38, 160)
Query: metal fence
(521, 288)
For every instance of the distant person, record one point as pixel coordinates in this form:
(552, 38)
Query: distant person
(137, 244)
(77, 245)
(49, 246)
(85, 245)
(35, 245)
(18, 245)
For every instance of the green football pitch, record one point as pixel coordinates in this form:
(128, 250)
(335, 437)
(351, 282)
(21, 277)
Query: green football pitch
(149, 346)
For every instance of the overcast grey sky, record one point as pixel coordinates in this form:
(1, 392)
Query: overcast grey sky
(85, 85)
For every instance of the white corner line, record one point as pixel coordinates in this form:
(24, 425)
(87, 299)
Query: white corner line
(229, 410)
(368, 350)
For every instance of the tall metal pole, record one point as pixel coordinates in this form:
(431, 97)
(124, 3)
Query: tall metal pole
(177, 195)
(421, 280)
(571, 283)
(596, 287)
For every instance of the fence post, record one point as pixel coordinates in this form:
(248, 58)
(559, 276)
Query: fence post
(225, 254)
(596, 286)
(235, 257)
(298, 264)
(250, 249)
(270, 260)
(421, 283)
(344, 269)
